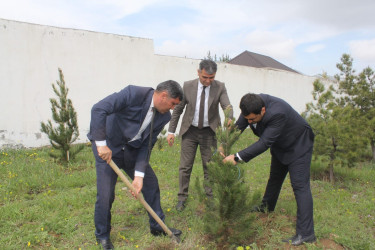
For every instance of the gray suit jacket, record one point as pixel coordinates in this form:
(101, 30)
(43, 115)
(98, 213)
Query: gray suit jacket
(218, 95)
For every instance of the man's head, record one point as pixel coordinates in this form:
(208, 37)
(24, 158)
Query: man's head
(167, 95)
(252, 108)
(207, 71)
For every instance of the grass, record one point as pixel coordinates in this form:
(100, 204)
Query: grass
(45, 205)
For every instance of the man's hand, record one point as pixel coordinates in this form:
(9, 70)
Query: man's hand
(230, 158)
(105, 153)
(231, 125)
(220, 149)
(230, 122)
(137, 184)
(170, 139)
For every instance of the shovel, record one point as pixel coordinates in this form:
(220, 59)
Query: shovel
(144, 203)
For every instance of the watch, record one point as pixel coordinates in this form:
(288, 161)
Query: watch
(236, 159)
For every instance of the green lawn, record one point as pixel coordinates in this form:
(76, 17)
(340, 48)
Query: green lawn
(45, 205)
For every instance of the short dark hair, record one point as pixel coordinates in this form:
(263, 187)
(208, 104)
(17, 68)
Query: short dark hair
(173, 89)
(251, 104)
(208, 65)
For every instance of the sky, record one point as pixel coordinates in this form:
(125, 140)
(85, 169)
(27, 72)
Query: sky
(309, 36)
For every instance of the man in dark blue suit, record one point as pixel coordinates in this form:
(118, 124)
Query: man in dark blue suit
(290, 139)
(120, 130)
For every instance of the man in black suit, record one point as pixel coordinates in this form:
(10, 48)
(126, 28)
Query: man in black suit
(120, 130)
(290, 139)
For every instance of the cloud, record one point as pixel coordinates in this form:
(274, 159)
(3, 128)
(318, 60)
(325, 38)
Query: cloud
(96, 15)
(280, 29)
(363, 50)
(344, 15)
(53, 13)
(120, 8)
(315, 48)
(270, 43)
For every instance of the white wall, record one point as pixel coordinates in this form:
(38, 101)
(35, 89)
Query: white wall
(97, 64)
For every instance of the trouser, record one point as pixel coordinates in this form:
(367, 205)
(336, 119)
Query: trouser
(106, 180)
(299, 172)
(193, 137)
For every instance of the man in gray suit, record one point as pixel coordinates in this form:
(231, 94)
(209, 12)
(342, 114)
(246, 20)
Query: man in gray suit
(202, 98)
(291, 139)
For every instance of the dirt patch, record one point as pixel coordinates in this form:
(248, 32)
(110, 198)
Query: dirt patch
(267, 220)
(326, 244)
(329, 244)
(162, 246)
(54, 234)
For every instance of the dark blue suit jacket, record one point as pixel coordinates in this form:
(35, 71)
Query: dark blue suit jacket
(282, 129)
(118, 118)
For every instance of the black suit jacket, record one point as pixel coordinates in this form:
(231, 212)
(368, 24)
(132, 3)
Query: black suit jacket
(282, 129)
(118, 118)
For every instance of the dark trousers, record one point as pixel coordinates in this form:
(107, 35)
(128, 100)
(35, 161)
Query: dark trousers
(299, 172)
(206, 140)
(106, 180)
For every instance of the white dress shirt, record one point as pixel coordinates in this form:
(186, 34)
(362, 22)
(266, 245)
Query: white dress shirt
(197, 105)
(145, 123)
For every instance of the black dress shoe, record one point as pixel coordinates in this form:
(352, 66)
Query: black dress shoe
(298, 239)
(180, 206)
(106, 243)
(157, 232)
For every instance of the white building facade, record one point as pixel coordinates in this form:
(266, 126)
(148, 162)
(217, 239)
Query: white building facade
(98, 64)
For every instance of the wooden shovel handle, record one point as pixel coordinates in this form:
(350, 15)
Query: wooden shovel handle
(140, 198)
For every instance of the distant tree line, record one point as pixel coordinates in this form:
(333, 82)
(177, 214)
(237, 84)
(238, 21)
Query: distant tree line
(222, 58)
(342, 115)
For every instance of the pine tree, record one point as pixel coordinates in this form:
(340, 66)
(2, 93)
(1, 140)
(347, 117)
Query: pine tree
(320, 115)
(66, 133)
(358, 91)
(342, 117)
(335, 126)
(209, 57)
(223, 58)
(227, 218)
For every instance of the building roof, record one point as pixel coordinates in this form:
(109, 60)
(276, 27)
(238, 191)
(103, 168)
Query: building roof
(251, 59)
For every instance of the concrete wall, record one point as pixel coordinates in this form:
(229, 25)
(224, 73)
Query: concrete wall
(98, 64)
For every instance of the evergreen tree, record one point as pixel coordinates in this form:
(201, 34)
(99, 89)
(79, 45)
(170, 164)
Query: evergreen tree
(358, 91)
(209, 57)
(66, 133)
(227, 217)
(343, 116)
(223, 58)
(335, 128)
(319, 115)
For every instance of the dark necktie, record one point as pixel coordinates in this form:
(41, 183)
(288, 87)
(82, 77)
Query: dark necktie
(201, 108)
(151, 128)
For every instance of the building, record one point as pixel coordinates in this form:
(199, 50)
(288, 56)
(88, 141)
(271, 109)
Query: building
(97, 64)
(255, 60)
